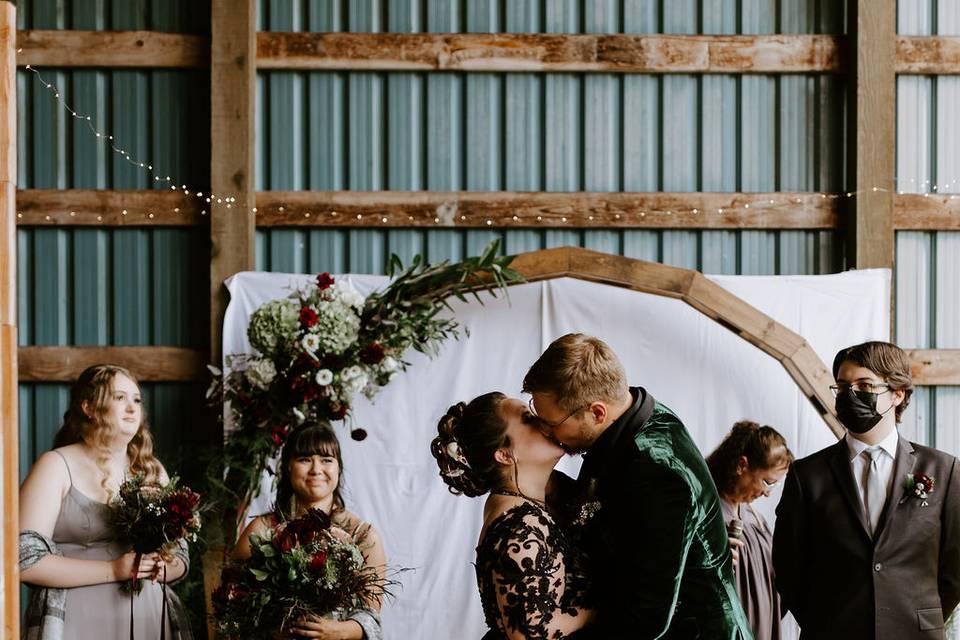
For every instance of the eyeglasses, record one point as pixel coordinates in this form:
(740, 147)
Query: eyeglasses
(768, 485)
(864, 386)
(553, 425)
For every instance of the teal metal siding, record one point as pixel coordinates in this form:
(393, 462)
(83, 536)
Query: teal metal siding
(88, 286)
(554, 132)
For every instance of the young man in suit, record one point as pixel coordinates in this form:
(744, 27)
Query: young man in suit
(867, 538)
(653, 529)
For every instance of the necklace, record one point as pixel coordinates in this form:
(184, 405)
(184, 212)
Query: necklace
(517, 494)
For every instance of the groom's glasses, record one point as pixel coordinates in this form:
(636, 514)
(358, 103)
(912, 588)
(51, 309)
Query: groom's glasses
(553, 425)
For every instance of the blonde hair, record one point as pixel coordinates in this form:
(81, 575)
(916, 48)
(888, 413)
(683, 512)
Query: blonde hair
(94, 387)
(576, 370)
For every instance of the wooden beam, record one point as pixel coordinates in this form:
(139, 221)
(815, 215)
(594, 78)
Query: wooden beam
(96, 207)
(148, 363)
(9, 392)
(503, 209)
(618, 53)
(928, 55)
(935, 367)
(926, 212)
(872, 109)
(233, 96)
(142, 49)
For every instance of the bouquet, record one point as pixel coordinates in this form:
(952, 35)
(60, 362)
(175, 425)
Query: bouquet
(319, 347)
(152, 518)
(297, 568)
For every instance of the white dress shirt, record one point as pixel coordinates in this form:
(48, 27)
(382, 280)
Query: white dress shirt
(858, 463)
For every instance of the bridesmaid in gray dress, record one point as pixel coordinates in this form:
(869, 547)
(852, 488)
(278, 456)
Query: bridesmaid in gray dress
(66, 553)
(745, 466)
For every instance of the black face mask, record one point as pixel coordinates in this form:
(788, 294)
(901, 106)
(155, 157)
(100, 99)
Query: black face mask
(857, 410)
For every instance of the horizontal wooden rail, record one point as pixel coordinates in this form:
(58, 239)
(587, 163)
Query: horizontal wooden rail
(144, 49)
(93, 207)
(926, 212)
(614, 53)
(928, 55)
(149, 364)
(508, 209)
(935, 367)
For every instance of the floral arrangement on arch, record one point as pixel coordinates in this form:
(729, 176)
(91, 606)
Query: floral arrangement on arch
(324, 344)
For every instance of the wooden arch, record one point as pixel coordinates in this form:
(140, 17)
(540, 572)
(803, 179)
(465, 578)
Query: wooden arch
(792, 351)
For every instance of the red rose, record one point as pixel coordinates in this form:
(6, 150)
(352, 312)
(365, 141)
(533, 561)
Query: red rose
(324, 281)
(309, 393)
(285, 541)
(279, 434)
(337, 411)
(318, 561)
(372, 353)
(308, 317)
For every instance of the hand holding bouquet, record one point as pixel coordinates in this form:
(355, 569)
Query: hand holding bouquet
(151, 518)
(297, 569)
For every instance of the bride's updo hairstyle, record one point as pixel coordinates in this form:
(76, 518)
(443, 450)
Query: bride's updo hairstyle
(467, 437)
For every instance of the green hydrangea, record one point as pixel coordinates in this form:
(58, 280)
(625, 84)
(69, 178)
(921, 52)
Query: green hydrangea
(274, 324)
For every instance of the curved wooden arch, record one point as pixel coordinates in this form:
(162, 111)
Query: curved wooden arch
(792, 351)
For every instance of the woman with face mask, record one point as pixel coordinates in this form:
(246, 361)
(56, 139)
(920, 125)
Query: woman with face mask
(867, 540)
(746, 465)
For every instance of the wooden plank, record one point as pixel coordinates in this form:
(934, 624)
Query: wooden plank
(95, 207)
(148, 363)
(926, 212)
(873, 104)
(232, 98)
(928, 55)
(935, 367)
(814, 378)
(143, 49)
(9, 392)
(616, 53)
(501, 209)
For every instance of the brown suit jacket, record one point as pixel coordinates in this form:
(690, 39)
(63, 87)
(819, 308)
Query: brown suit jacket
(841, 583)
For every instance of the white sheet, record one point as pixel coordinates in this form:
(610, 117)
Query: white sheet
(709, 376)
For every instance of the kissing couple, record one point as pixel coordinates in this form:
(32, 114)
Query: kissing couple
(636, 547)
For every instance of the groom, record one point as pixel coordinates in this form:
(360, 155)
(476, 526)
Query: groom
(653, 531)
(861, 550)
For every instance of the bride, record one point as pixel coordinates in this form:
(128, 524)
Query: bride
(529, 576)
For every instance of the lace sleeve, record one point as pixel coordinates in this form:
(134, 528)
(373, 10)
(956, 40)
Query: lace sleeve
(534, 598)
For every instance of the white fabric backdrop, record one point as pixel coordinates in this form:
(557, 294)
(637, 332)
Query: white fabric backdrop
(707, 375)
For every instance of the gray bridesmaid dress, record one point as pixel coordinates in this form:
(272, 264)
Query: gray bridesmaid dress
(102, 611)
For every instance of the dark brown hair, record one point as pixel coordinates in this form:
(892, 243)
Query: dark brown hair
(477, 430)
(763, 447)
(94, 387)
(576, 370)
(887, 360)
(309, 439)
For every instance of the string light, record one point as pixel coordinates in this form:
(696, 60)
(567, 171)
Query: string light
(924, 188)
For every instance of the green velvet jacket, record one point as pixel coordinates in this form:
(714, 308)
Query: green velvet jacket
(654, 533)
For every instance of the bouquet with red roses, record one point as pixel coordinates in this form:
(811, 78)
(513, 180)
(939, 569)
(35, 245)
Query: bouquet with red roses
(300, 567)
(152, 518)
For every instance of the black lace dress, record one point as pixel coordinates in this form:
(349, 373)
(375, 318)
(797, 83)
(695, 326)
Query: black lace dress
(530, 578)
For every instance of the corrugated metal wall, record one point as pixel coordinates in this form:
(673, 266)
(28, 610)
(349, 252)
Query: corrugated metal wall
(83, 286)
(555, 132)
(928, 263)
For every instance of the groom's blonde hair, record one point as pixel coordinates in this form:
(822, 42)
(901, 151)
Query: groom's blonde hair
(576, 370)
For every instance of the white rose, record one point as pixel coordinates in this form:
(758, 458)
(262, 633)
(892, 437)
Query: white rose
(351, 372)
(324, 377)
(389, 364)
(299, 415)
(310, 342)
(357, 383)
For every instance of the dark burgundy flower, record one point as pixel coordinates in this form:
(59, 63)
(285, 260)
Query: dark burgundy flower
(306, 362)
(332, 362)
(324, 281)
(279, 434)
(309, 393)
(308, 317)
(359, 434)
(285, 540)
(372, 353)
(318, 561)
(337, 411)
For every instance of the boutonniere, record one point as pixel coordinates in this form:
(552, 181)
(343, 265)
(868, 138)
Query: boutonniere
(920, 485)
(587, 511)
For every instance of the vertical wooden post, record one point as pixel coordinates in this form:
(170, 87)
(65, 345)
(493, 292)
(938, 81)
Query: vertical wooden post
(232, 104)
(9, 456)
(872, 108)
